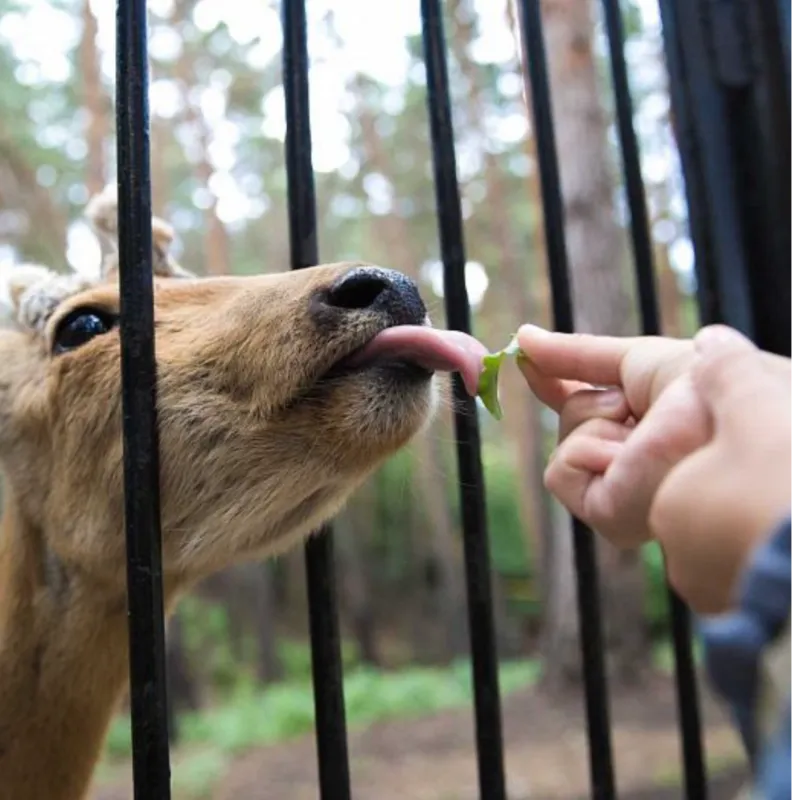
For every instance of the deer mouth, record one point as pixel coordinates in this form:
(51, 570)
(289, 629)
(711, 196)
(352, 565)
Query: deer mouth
(423, 349)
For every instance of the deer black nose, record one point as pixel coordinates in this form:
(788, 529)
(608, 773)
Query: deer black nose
(381, 290)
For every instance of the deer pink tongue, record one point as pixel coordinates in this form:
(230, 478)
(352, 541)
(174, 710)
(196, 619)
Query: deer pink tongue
(436, 350)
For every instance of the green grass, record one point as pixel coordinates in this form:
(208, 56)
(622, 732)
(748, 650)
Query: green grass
(254, 716)
(663, 655)
(195, 774)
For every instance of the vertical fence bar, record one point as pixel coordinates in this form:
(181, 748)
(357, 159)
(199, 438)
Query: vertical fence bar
(721, 286)
(594, 676)
(728, 66)
(328, 682)
(728, 86)
(489, 735)
(631, 163)
(687, 689)
(150, 756)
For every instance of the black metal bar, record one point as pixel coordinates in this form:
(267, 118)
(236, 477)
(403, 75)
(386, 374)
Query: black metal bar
(148, 696)
(762, 151)
(719, 260)
(687, 689)
(595, 683)
(633, 180)
(728, 65)
(328, 683)
(688, 703)
(489, 734)
(700, 113)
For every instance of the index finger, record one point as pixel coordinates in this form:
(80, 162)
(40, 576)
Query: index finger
(576, 356)
(641, 366)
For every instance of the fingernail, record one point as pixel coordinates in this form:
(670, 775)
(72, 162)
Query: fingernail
(532, 330)
(610, 398)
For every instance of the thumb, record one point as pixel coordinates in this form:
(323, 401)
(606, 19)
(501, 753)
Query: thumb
(730, 374)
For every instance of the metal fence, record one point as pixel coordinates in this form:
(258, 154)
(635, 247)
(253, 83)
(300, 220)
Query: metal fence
(728, 63)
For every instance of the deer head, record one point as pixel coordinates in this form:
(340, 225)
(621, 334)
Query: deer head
(277, 396)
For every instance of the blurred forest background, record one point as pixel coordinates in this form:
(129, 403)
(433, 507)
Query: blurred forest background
(239, 655)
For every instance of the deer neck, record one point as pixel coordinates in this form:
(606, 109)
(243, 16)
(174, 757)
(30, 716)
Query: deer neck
(63, 668)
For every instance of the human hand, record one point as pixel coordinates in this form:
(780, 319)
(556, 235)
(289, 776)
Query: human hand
(556, 365)
(718, 503)
(605, 469)
(617, 447)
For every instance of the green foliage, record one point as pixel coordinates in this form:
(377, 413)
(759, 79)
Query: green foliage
(507, 538)
(207, 642)
(295, 657)
(663, 655)
(207, 639)
(284, 710)
(656, 591)
(254, 716)
(632, 18)
(119, 738)
(193, 775)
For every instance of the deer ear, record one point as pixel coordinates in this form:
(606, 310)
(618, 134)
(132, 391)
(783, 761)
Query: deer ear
(20, 278)
(102, 213)
(32, 292)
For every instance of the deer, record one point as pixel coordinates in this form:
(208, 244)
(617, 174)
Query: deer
(277, 395)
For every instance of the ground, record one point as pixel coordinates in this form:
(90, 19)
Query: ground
(433, 758)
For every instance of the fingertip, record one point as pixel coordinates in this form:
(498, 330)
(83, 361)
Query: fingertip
(528, 335)
(530, 330)
(581, 357)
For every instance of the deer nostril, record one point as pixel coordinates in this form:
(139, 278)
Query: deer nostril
(384, 292)
(358, 289)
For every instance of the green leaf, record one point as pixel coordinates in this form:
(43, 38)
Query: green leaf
(488, 381)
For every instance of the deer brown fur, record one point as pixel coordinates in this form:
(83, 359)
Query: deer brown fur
(257, 449)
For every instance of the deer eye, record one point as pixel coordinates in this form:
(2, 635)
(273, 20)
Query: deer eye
(79, 327)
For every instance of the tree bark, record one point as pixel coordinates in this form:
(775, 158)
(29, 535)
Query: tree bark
(359, 603)
(216, 242)
(596, 249)
(429, 481)
(95, 103)
(511, 292)
(268, 664)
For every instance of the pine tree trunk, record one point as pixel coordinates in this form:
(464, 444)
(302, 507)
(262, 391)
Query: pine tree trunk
(596, 249)
(95, 103)
(216, 242)
(358, 601)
